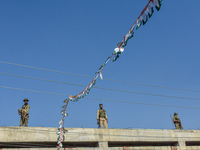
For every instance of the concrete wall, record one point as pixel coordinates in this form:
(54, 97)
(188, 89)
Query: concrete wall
(98, 139)
(114, 148)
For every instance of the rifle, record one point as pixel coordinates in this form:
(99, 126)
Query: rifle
(20, 113)
(172, 121)
(98, 123)
(180, 123)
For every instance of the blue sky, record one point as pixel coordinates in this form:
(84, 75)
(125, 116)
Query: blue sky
(77, 37)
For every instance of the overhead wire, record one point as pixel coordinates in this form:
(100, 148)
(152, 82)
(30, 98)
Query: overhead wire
(103, 87)
(41, 79)
(45, 69)
(103, 99)
(33, 91)
(143, 103)
(93, 77)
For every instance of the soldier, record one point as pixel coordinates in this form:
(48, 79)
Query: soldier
(102, 118)
(177, 121)
(24, 112)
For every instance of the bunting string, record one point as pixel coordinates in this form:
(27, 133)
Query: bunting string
(146, 13)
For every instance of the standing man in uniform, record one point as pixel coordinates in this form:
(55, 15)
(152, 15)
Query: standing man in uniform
(24, 112)
(177, 121)
(102, 118)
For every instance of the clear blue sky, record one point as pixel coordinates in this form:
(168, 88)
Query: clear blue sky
(77, 37)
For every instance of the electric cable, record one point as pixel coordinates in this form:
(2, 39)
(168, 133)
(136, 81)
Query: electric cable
(102, 87)
(33, 91)
(103, 99)
(104, 78)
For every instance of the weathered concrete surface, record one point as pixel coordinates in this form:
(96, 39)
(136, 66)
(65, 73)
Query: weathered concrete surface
(114, 148)
(99, 139)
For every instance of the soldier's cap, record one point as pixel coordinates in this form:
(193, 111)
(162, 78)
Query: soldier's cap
(175, 113)
(26, 99)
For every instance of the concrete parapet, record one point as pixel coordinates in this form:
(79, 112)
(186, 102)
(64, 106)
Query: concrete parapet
(113, 148)
(99, 139)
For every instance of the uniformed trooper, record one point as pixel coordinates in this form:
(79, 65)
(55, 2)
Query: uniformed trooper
(24, 112)
(102, 118)
(177, 121)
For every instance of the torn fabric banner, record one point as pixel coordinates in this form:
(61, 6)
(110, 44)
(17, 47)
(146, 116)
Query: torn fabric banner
(138, 23)
(150, 10)
(118, 50)
(116, 53)
(101, 76)
(127, 37)
(115, 57)
(157, 4)
(146, 13)
(85, 92)
(144, 18)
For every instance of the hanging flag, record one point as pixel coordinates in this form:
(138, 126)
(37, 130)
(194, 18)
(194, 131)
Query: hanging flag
(142, 19)
(65, 101)
(127, 37)
(60, 122)
(157, 4)
(118, 50)
(73, 98)
(59, 127)
(150, 10)
(61, 145)
(115, 57)
(101, 76)
(63, 107)
(138, 23)
(63, 111)
(58, 142)
(81, 95)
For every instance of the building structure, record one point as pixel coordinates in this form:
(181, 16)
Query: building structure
(43, 138)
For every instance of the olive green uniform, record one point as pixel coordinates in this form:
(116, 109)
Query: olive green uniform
(177, 124)
(25, 111)
(102, 117)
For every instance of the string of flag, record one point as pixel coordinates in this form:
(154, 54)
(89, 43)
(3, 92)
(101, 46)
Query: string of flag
(146, 13)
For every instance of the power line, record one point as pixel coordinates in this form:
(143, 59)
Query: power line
(104, 78)
(102, 87)
(42, 79)
(103, 99)
(45, 69)
(172, 88)
(143, 103)
(33, 91)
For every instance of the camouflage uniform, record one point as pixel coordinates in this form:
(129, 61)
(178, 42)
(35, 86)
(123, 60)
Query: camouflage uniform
(25, 111)
(177, 124)
(102, 117)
